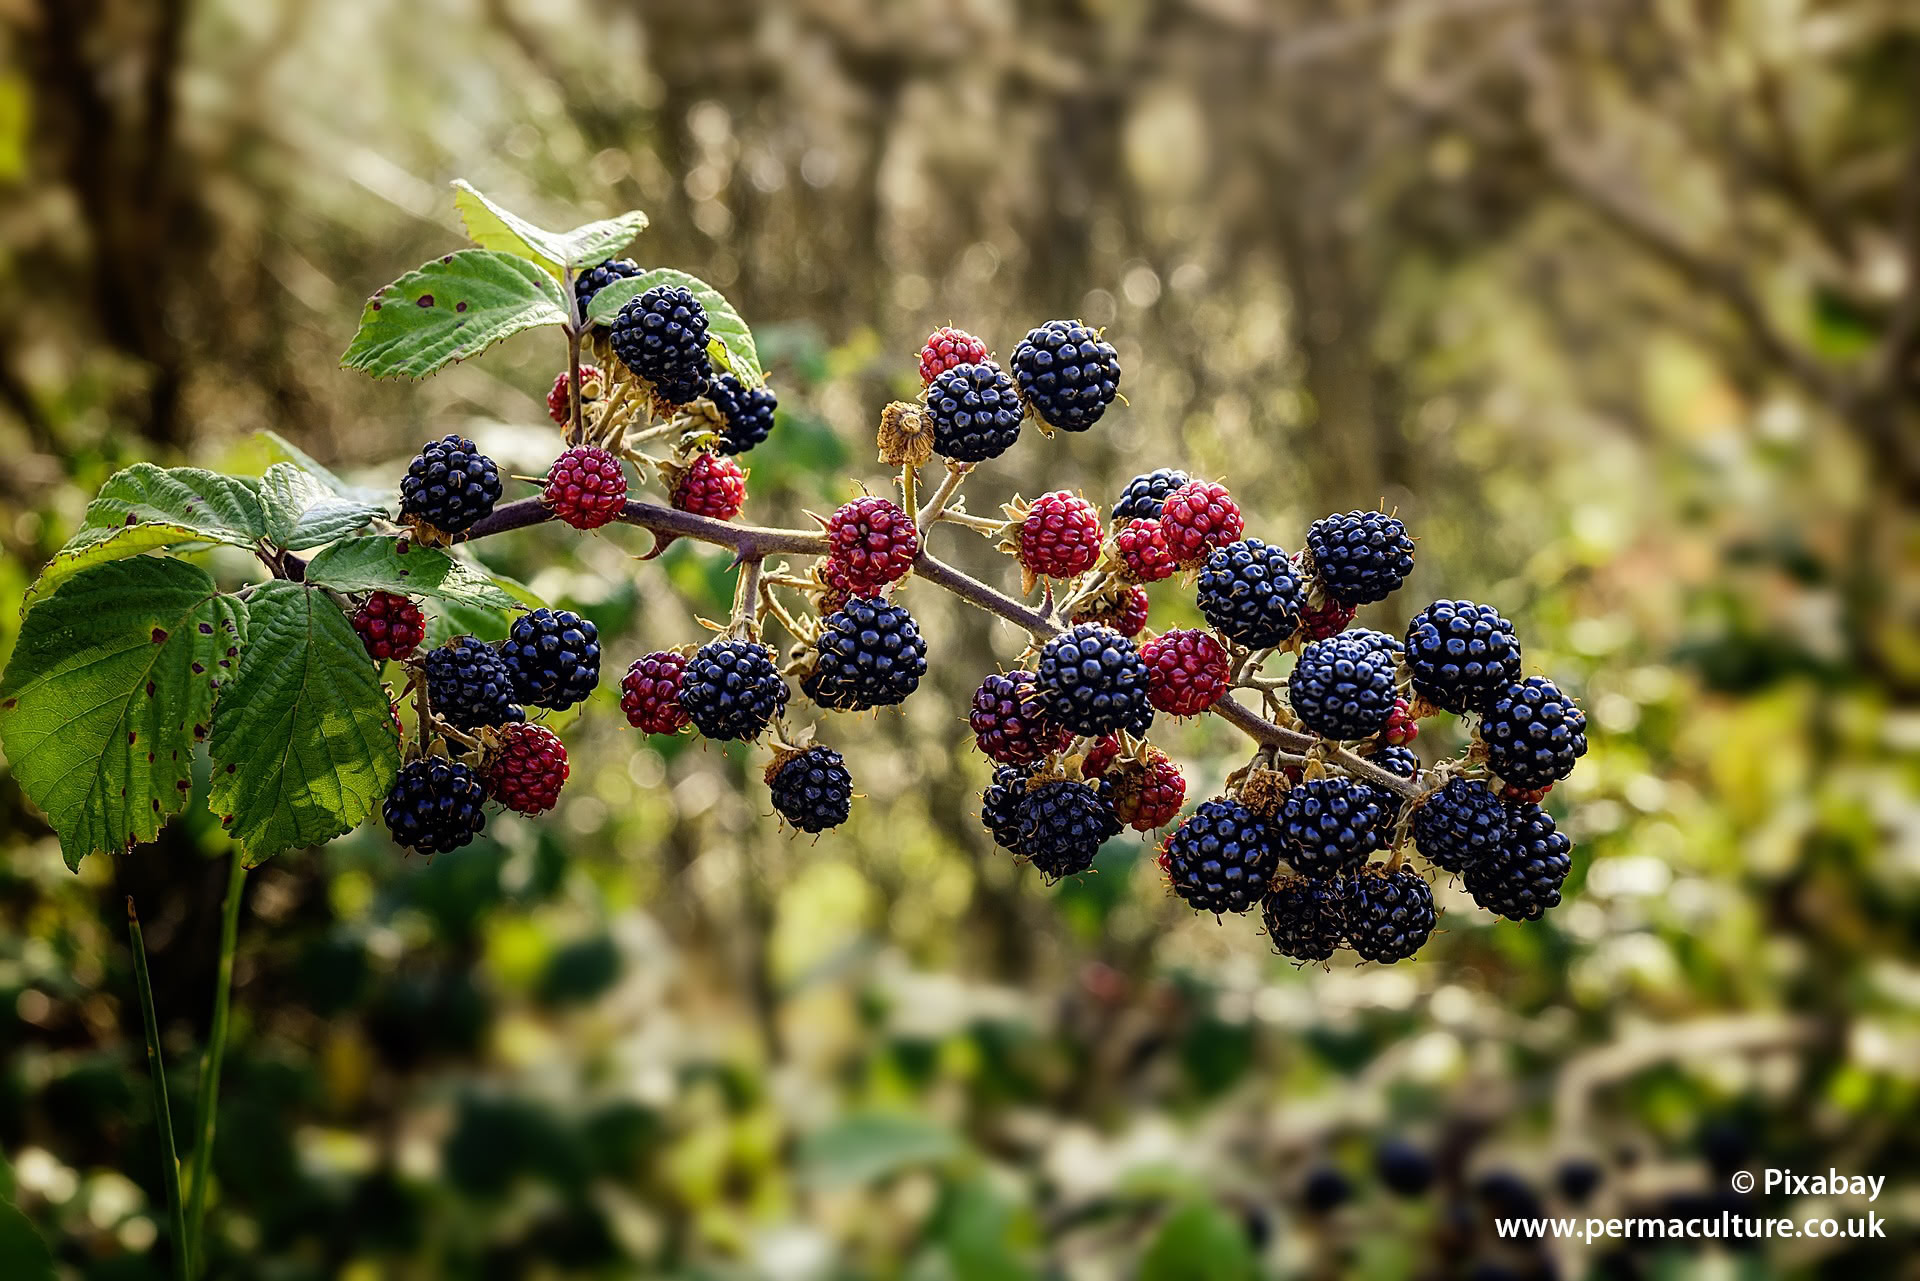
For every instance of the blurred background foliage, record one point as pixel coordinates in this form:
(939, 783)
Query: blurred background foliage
(1616, 301)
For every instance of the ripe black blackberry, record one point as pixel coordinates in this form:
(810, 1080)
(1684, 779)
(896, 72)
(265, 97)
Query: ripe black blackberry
(975, 411)
(1360, 557)
(870, 654)
(661, 336)
(1533, 734)
(1222, 857)
(470, 685)
(1304, 917)
(1407, 1170)
(1094, 681)
(747, 412)
(1142, 497)
(1460, 825)
(436, 805)
(554, 658)
(1461, 655)
(1250, 593)
(1326, 1189)
(1063, 824)
(1403, 761)
(1389, 914)
(1001, 802)
(594, 279)
(731, 689)
(1329, 825)
(449, 485)
(812, 789)
(1068, 373)
(1520, 878)
(1342, 687)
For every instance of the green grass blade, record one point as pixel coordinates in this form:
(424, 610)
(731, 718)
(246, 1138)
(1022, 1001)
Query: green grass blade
(162, 1114)
(206, 1106)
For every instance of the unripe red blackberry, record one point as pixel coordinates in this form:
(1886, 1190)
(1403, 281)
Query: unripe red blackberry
(812, 789)
(1101, 756)
(731, 689)
(586, 487)
(947, 347)
(1144, 494)
(1460, 825)
(661, 336)
(560, 398)
(1140, 547)
(1145, 794)
(1095, 681)
(869, 654)
(1063, 824)
(1401, 727)
(1520, 878)
(1010, 723)
(1342, 687)
(833, 585)
(1188, 671)
(1125, 611)
(526, 769)
(436, 805)
(1460, 655)
(1068, 373)
(1329, 619)
(1330, 825)
(1360, 557)
(1305, 917)
(873, 541)
(1249, 592)
(710, 486)
(1222, 857)
(1389, 914)
(1533, 734)
(449, 485)
(650, 693)
(975, 411)
(1060, 536)
(1198, 517)
(390, 626)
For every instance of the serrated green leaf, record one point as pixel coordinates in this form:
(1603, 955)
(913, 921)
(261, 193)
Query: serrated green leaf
(378, 564)
(110, 686)
(302, 512)
(304, 744)
(292, 453)
(729, 341)
(1199, 1242)
(452, 308)
(492, 226)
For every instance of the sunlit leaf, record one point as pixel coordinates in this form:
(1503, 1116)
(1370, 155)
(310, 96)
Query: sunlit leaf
(493, 226)
(301, 511)
(380, 564)
(452, 308)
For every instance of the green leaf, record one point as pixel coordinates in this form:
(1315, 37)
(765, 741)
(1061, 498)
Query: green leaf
(1199, 1242)
(452, 308)
(145, 507)
(491, 226)
(292, 453)
(304, 744)
(451, 618)
(729, 341)
(302, 512)
(111, 685)
(378, 564)
(24, 1256)
(872, 1145)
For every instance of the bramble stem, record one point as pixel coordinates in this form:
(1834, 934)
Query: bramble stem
(210, 1063)
(956, 472)
(162, 1113)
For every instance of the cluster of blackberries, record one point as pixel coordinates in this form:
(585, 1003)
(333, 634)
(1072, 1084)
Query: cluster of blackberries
(1064, 374)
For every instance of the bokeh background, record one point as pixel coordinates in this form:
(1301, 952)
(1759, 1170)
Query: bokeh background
(1618, 303)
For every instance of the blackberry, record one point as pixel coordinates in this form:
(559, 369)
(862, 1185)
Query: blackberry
(946, 347)
(1360, 557)
(1060, 536)
(586, 487)
(873, 541)
(554, 658)
(1533, 734)
(1461, 654)
(709, 486)
(650, 693)
(1460, 825)
(661, 336)
(1329, 825)
(1140, 547)
(1222, 857)
(1577, 1178)
(1125, 610)
(1406, 1170)
(1250, 593)
(1063, 824)
(1395, 760)
(469, 685)
(449, 485)
(1342, 687)
(1326, 1190)
(594, 279)
(1068, 373)
(747, 412)
(527, 768)
(560, 395)
(435, 806)
(870, 654)
(1009, 723)
(975, 411)
(1188, 671)
(1145, 794)
(1144, 494)
(1389, 914)
(1198, 517)
(812, 789)
(1000, 805)
(390, 626)
(731, 689)
(1304, 917)
(1094, 681)
(1520, 878)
